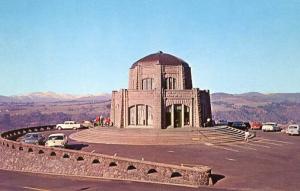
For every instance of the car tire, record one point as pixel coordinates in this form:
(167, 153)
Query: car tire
(59, 128)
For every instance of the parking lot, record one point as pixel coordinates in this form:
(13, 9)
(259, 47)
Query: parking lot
(268, 162)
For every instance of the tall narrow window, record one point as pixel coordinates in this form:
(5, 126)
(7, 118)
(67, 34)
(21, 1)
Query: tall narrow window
(147, 84)
(170, 83)
(132, 115)
(141, 110)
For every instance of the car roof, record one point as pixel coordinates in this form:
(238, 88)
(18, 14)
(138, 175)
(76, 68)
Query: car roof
(32, 133)
(57, 134)
(294, 125)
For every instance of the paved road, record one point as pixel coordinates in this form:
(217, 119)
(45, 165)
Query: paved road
(270, 162)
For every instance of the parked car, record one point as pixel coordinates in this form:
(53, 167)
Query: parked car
(270, 126)
(222, 122)
(87, 124)
(68, 125)
(255, 125)
(248, 126)
(57, 140)
(238, 125)
(34, 138)
(293, 130)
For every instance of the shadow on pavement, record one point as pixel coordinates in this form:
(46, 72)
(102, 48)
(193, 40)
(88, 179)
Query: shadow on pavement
(76, 146)
(85, 188)
(216, 177)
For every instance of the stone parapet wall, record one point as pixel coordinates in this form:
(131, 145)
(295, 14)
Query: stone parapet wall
(18, 156)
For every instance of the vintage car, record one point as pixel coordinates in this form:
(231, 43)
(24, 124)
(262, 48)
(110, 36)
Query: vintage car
(222, 122)
(33, 138)
(239, 125)
(57, 140)
(68, 125)
(270, 126)
(254, 125)
(293, 130)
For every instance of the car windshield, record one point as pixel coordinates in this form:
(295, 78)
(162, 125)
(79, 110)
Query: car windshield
(58, 137)
(238, 123)
(272, 124)
(292, 127)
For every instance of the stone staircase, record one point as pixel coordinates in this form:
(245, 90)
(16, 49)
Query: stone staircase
(222, 135)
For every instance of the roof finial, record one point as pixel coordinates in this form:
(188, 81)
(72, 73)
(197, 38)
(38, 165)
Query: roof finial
(160, 52)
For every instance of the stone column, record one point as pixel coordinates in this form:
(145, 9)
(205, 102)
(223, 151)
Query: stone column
(136, 115)
(172, 115)
(191, 113)
(146, 115)
(182, 115)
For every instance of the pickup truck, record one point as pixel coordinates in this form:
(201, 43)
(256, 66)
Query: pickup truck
(68, 125)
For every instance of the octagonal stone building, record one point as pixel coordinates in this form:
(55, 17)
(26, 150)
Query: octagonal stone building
(160, 95)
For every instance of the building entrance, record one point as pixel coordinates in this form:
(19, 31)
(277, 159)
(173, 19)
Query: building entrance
(177, 115)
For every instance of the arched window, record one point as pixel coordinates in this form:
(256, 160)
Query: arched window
(170, 83)
(140, 115)
(147, 84)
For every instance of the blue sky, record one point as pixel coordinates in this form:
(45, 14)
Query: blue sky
(88, 46)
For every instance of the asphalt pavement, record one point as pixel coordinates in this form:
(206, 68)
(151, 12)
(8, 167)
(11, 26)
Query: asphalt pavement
(268, 162)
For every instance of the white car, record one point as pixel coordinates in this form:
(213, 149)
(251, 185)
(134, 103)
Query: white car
(293, 130)
(57, 140)
(270, 127)
(68, 125)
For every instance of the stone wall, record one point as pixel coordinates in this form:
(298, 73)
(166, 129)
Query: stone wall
(18, 156)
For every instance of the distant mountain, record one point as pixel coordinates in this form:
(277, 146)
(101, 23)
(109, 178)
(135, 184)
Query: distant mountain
(53, 97)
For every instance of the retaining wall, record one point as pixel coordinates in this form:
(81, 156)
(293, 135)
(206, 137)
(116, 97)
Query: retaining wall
(40, 159)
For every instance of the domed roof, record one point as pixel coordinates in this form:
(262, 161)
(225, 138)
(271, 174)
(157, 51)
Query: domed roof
(161, 58)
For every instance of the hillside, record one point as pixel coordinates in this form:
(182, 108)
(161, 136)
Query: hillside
(50, 108)
(282, 107)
